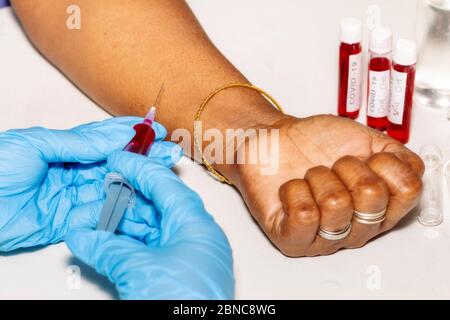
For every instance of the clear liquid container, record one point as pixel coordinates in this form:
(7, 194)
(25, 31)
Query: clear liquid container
(447, 176)
(431, 210)
(433, 68)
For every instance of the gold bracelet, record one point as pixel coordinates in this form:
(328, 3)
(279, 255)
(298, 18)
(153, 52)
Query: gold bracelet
(213, 171)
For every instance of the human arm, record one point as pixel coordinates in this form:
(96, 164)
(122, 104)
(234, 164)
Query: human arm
(125, 50)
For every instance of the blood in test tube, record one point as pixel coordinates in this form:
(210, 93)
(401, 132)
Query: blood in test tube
(380, 64)
(350, 68)
(402, 91)
(145, 136)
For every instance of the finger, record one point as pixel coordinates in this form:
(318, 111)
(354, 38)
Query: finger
(332, 197)
(407, 156)
(89, 192)
(85, 173)
(369, 192)
(140, 231)
(183, 215)
(169, 152)
(143, 222)
(84, 144)
(87, 216)
(108, 253)
(297, 224)
(404, 184)
(160, 130)
(21, 165)
(127, 121)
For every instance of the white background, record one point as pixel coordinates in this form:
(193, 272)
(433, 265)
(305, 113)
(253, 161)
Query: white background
(288, 47)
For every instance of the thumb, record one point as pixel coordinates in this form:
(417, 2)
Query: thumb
(84, 144)
(106, 252)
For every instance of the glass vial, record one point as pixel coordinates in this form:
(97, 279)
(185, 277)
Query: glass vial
(378, 93)
(350, 68)
(431, 202)
(402, 90)
(447, 176)
(433, 68)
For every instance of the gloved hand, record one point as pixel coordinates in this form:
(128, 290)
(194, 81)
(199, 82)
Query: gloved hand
(46, 174)
(173, 248)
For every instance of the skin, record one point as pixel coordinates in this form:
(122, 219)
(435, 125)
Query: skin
(329, 166)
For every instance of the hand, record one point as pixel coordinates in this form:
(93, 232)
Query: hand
(172, 249)
(330, 166)
(46, 174)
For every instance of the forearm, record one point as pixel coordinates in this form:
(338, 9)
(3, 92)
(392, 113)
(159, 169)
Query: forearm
(125, 50)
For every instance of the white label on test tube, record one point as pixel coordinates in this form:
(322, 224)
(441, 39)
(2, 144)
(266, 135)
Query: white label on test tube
(398, 94)
(354, 83)
(379, 94)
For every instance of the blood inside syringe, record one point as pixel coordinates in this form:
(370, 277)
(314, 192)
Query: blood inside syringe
(145, 135)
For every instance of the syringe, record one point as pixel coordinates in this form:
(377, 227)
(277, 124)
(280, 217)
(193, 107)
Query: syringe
(120, 194)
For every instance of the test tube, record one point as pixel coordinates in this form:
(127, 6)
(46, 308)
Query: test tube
(447, 176)
(431, 202)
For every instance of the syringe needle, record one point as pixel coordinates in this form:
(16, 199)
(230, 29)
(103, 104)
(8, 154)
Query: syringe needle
(152, 112)
(158, 98)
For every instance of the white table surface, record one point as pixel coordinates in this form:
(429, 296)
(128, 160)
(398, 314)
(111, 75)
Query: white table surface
(290, 48)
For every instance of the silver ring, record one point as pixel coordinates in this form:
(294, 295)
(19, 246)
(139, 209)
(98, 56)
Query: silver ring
(335, 236)
(369, 218)
(369, 222)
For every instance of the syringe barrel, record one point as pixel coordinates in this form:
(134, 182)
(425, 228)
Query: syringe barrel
(143, 140)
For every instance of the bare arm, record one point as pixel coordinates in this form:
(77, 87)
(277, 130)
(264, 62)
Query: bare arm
(125, 50)
(325, 167)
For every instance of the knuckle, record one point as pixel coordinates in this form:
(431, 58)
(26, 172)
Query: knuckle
(344, 160)
(289, 186)
(382, 156)
(413, 161)
(411, 189)
(373, 188)
(337, 201)
(416, 163)
(379, 160)
(308, 215)
(315, 170)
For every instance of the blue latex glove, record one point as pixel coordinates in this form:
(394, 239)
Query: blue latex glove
(46, 174)
(173, 248)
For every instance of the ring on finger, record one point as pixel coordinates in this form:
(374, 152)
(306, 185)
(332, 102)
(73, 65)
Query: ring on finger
(369, 217)
(337, 235)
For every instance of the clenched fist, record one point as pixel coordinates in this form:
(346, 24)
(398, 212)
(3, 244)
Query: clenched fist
(330, 167)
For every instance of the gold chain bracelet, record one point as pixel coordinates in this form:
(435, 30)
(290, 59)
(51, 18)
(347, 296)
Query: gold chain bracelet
(266, 95)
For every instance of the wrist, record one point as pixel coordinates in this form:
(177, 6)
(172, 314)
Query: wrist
(232, 118)
(240, 108)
